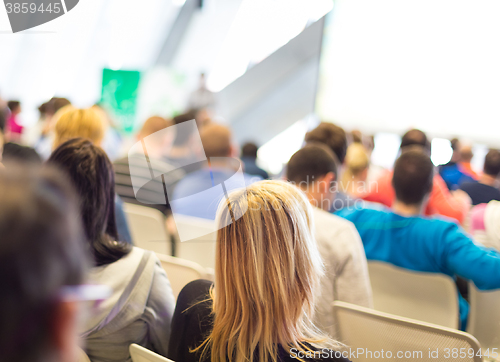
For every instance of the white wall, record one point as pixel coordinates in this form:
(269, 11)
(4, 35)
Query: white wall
(433, 64)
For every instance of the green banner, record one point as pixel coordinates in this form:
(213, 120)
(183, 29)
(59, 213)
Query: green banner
(119, 96)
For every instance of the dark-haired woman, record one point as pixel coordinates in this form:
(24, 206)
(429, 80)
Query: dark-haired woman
(141, 306)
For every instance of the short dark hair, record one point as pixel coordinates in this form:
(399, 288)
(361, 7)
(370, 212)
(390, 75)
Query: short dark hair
(310, 163)
(53, 105)
(41, 251)
(13, 105)
(249, 149)
(91, 172)
(415, 137)
(332, 136)
(12, 152)
(56, 104)
(454, 142)
(413, 176)
(492, 163)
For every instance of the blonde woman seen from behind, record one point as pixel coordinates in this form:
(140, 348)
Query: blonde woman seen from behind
(357, 162)
(71, 122)
(266, 281)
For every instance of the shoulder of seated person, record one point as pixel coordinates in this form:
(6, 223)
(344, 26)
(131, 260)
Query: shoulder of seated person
(198, 287)
(338, 223)
(438, 218)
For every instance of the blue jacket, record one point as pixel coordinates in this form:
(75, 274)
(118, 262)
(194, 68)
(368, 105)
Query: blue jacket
(426, 244)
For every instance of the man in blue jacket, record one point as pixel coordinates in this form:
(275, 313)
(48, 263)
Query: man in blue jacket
(405, 238)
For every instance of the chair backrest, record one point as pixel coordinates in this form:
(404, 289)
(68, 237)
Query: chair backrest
(82, 356)
(180, 272)
(484, 317)
(428, 297)
(141, 354)
(200, 249)
(147, 226)
(375, 335)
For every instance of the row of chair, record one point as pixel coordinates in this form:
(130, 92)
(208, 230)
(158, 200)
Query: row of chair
(428, 297)
(433, 298)
(148, 230)
(137, 353)
(371, 335)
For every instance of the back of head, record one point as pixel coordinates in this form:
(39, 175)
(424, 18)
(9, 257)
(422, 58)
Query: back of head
(14, 153)
(466, 153)
(73, 123)
(55, 104)
(356, 163)
(455, 144)
(181, 138)
(415, 137)
(356, 159)
(310, 163)
(413, 176)
(92, 175)
(492, 163)
(356, 136)
(216, 140)
(267, 272)
(13, 105)
(249, 150)
(152, 125)
(41, 252)
(332, 136)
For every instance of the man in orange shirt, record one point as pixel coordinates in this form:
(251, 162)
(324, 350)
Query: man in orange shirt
(454, 205)
(466, 155)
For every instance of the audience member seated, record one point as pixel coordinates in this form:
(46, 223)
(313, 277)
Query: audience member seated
(313, 169)
(87, 123)
(405, 238)
(357, 163)
(249, 159)
(14, 153)
(14, 129)
(454, 205)
(267, 276)
(74, 122)
(43, 131)
(452, 172)
(336, 139)
(141, 306)
(152, 193)
(466, 156)
(183, 154)
(206, 183)
(42, 257)
(485, 189)
(485, 224)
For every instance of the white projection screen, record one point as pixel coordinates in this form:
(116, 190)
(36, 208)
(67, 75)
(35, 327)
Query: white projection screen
(388, 65)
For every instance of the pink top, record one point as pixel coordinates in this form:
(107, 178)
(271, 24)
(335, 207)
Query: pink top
(477, 218)
(13, 126)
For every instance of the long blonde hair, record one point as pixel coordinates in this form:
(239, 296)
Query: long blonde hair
(266, 275)
(72, 122)
(356, 161)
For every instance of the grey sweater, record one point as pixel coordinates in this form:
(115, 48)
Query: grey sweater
(139, 310)
(346, 270)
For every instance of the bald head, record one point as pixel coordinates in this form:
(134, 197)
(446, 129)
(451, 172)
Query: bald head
(216, 140)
